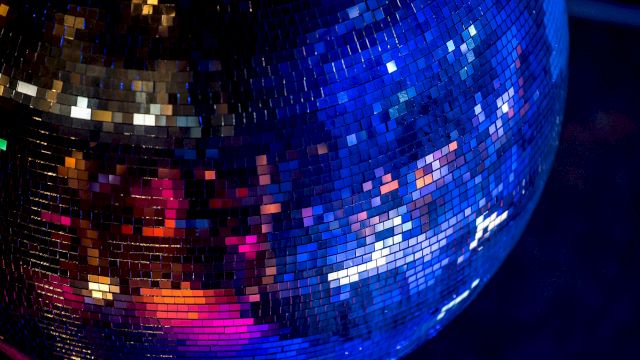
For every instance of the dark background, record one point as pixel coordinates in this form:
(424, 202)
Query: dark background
(570, 289)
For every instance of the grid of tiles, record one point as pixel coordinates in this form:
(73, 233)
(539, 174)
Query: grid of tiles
(265, 179)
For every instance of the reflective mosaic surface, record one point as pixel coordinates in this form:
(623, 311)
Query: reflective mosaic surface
(265, 179)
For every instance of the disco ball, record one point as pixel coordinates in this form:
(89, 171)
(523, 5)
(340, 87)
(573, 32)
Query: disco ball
(265, 179)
